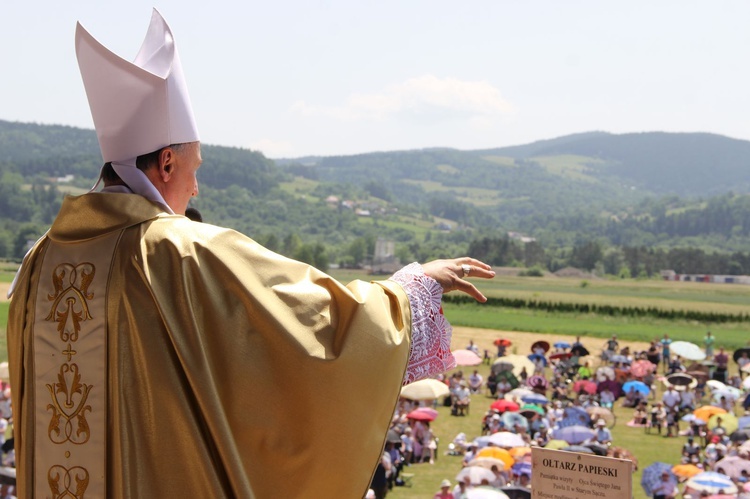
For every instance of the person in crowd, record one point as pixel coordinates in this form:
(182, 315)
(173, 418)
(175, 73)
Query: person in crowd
(217, 320)
(666, 488)
(603, 435)
(671, 399)
(708, 344)
(665, 342)
(444, 492)
(461, 399)
(475, 382)
(472, 347)
(722, 362)
(610, 348)
(658, 417)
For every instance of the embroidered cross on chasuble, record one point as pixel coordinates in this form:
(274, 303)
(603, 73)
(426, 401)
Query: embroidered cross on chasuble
(70, 366)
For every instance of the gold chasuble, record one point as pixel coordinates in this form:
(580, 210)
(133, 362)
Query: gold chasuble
(152, 356)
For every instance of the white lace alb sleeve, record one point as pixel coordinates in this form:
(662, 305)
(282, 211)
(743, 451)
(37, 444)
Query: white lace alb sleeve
(430, 332)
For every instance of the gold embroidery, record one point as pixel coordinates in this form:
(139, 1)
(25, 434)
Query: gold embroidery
(63, 490)
(68, 424)
(80, 275)
(82, 433)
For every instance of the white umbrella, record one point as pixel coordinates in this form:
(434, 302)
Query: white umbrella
(687, 350)
(517, 394)
(425, 389)
(746, 382)
(605, 373)
(476, 474)
(711, 482)
(715, 384)
(507, 439)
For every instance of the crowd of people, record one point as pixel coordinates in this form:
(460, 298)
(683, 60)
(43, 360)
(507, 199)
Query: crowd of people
(559, 396)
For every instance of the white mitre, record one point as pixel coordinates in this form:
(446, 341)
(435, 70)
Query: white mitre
(137, 107)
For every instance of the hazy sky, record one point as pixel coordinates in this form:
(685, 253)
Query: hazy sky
(293, 78)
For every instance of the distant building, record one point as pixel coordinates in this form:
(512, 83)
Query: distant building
(520, 237)
(385, 261)
(671, 275)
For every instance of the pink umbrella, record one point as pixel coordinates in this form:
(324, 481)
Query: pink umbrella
(642, 367)
(466, 358)
(423, 414)
(585, 385)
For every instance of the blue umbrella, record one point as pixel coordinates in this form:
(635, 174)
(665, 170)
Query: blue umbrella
(564, 345)
(575, 416)
(712, 482)
(535, 398)
(651, 476)
(511, 419)
(522, 468)
(692, 418)
(534, 357)
(620, 359)
(574, 434)
(743, 422)
(639, 386)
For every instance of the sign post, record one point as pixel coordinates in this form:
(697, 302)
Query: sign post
(570, 475)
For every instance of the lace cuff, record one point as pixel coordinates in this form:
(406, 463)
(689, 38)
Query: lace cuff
(430, 332)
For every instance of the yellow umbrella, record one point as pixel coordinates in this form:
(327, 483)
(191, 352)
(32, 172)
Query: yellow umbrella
(519, 362)
(556, 444)
(707, 411)
(517, 452)
(686, 470)
(728, 422)
(497, 453)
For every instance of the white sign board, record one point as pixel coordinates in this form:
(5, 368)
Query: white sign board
(559, 474)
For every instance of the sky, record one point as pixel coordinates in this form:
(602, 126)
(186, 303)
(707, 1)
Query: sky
(294, 78)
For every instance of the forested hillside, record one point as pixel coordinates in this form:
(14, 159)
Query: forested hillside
(589, 200)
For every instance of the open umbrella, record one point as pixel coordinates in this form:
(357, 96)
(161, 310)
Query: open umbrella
(502, 405)
(641, 368)
(535, 398)
(711, 482)
(743, 422)
(560, 356)
(522, 468)
(506, 439)
(598, 449)
(562, 345)
(739, 352)
(739, 436)
(687, 350)
(574, 416)
(517, 394)
(512, 419)
(728, 422)
(651, 476)
(537, 357)
(508, 376)
(537, 382)
(680, 379)
(518, 452)
(584, 385)
(605, 373)
(639, 386)
(425, 389)
(611, 385)
(597, 413)
(579, 351)
(732, 466)
(529, 410)
(423, 414)
(574, 434)
(619, 359)
(540, 345)
(502, 342)
(519, 362)
(497, 453)
(556, 444)
(686, 470)
(466, 358)
(516, 492)
(489, 462)
(476, 475)
(705, 412)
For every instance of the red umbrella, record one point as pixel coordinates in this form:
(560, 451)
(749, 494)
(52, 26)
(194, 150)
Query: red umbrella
(503, 405)
(585, 385)
(502, 342)
(544, 345)
(642, 367)
(466, 358)
(423, 414)
(560, 356)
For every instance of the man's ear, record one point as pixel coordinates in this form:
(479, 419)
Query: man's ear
(166, 163)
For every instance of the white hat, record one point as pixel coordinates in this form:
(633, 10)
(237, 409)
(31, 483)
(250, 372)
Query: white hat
(445, 483)
(137, 107)
(601, 422)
